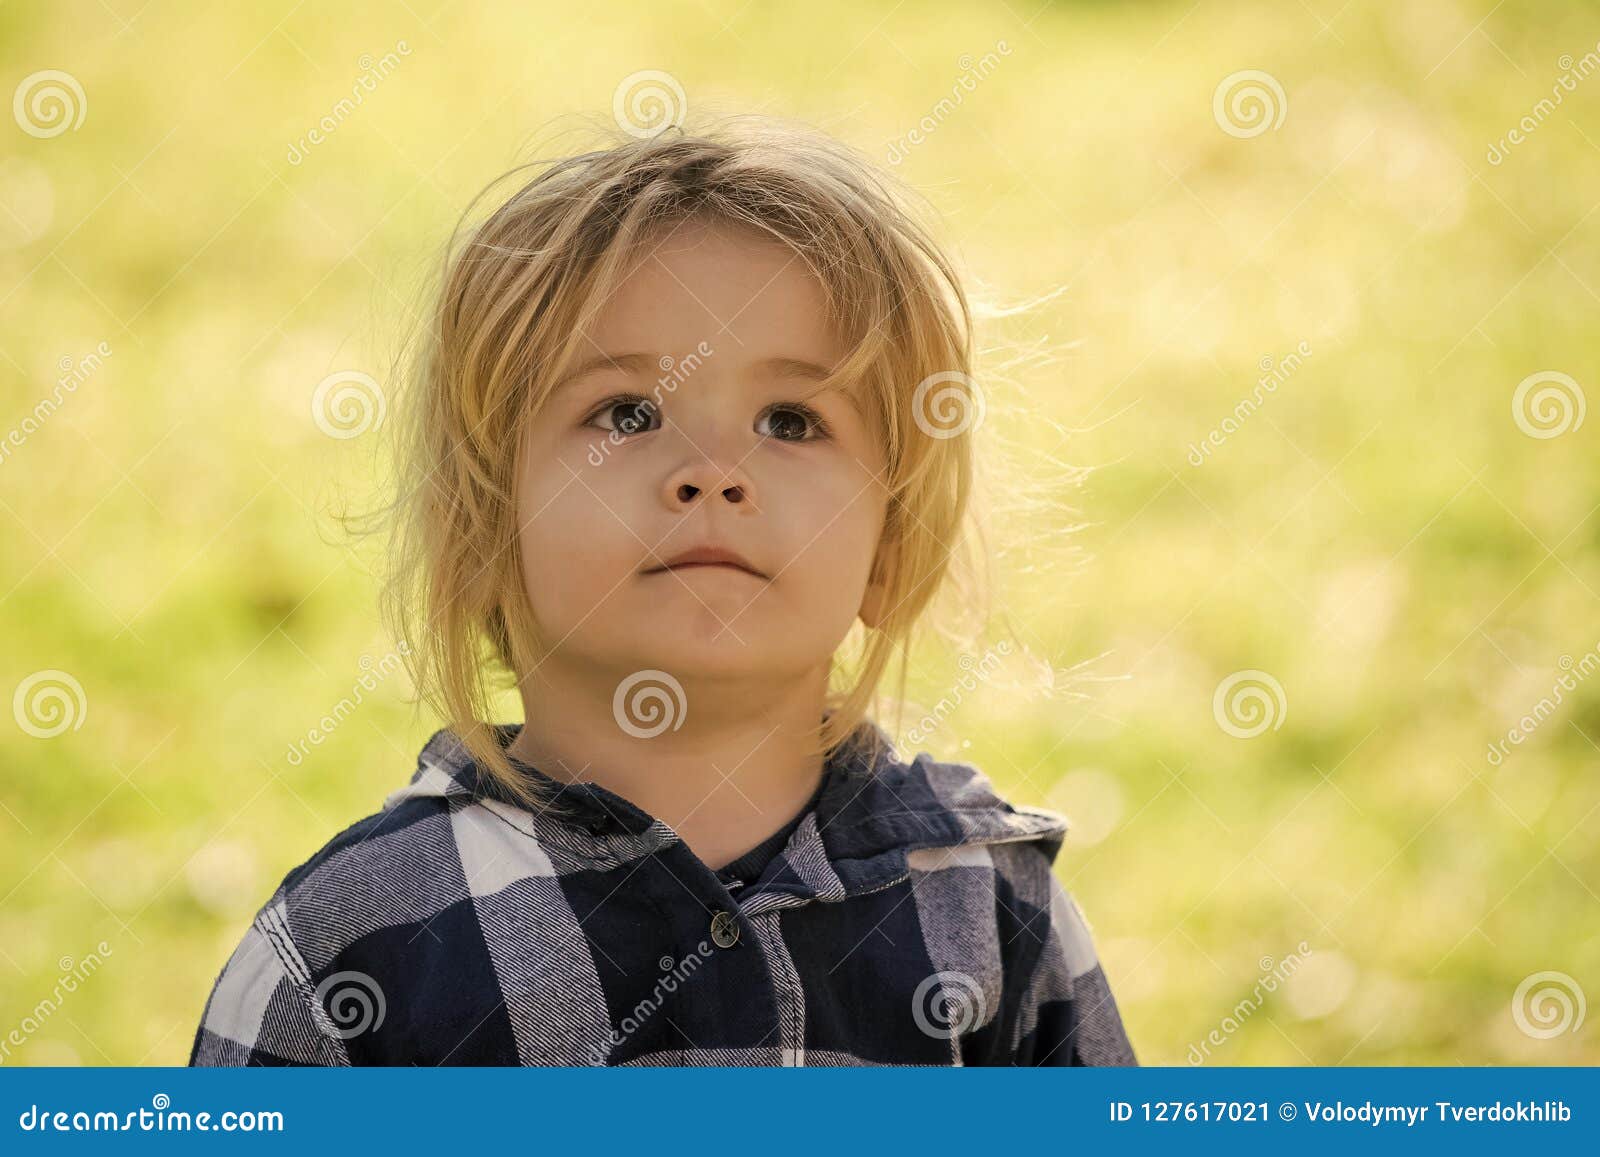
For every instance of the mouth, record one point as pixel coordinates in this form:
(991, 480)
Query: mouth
(684, 567)
(706, 559)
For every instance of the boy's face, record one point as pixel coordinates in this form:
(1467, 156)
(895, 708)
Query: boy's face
(627, 467)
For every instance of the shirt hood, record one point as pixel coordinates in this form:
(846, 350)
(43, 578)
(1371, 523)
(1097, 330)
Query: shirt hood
(873, 809)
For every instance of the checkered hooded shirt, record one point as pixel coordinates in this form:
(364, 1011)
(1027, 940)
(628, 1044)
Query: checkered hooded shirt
(912, 918)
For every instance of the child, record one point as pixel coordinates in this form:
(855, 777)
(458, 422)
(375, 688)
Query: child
(694, 851)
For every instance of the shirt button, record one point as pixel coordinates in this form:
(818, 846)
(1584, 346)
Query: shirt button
(724, 929)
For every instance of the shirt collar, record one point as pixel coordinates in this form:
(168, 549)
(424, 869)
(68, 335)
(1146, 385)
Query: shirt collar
(873, 808)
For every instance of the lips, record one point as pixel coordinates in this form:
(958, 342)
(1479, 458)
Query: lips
(706, 556)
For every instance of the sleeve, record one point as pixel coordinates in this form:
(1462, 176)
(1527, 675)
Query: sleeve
(263, 1008)
(1068, 1015)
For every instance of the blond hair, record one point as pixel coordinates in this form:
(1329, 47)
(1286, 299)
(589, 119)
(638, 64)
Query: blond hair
(507, 321)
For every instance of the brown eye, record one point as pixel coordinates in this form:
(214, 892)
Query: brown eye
(624, 415)
(793, 423)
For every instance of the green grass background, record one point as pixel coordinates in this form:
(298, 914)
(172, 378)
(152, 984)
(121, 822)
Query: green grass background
(1380, 536)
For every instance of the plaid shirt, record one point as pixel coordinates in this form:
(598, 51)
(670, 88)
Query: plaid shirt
(911, 919)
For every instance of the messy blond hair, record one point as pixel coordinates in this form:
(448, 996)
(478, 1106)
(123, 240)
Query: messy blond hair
(507, 321)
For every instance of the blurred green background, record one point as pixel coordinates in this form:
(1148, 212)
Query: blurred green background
(1404, 546)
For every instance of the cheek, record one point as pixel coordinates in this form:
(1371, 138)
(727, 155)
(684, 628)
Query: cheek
(834, 537)
(573, 548)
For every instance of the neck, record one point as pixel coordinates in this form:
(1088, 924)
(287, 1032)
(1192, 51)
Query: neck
(734, 770)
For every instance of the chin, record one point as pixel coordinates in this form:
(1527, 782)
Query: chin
(709, 648)
(699, 646)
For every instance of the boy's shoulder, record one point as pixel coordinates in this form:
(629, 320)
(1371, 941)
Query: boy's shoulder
(396, 865)
(267, 1005)
(408, 843)
(931, 810)
(1014, 845)
(393, 837)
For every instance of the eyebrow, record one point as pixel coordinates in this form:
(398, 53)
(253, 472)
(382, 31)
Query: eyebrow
(634, 363)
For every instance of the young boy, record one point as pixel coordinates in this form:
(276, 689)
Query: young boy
(692, 420)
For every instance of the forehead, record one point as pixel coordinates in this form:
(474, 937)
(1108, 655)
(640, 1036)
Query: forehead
(746, 295)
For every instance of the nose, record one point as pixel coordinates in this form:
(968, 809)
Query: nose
(686, 485)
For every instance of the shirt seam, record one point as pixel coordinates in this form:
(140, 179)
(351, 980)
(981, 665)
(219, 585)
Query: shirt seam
(275, 930)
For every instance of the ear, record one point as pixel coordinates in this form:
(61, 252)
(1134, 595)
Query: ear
(875, 600)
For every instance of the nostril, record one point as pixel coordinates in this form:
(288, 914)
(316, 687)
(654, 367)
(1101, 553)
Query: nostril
(734, 494)
(686, 492)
